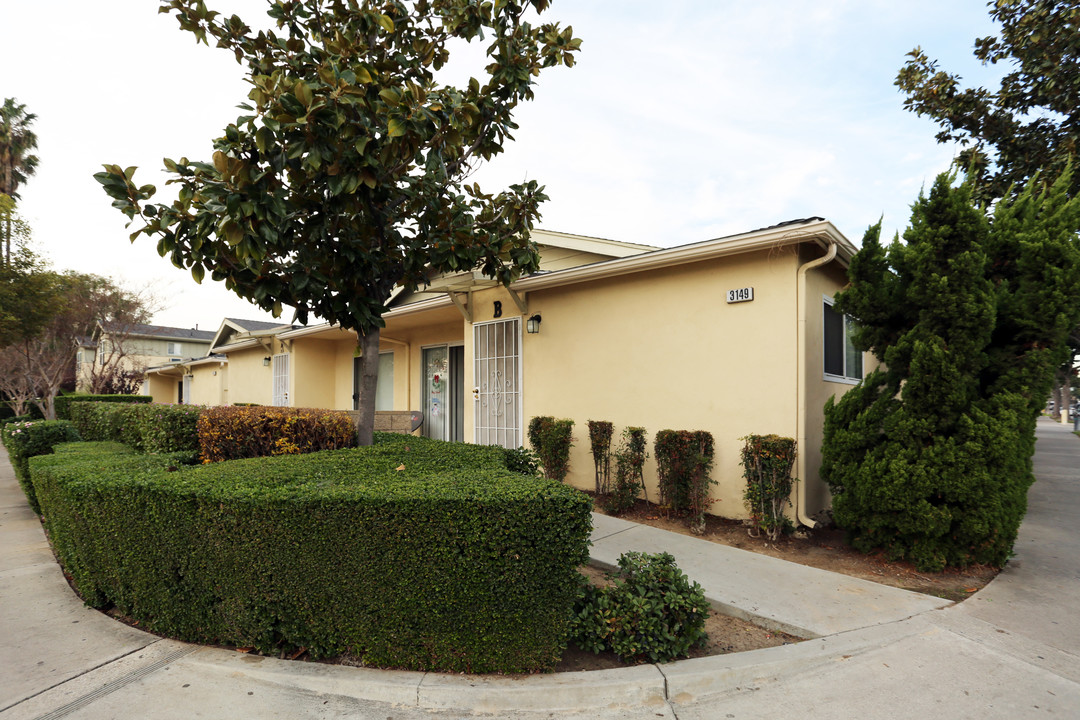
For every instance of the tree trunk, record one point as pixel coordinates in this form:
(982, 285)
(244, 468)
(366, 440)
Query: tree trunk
(369, 380)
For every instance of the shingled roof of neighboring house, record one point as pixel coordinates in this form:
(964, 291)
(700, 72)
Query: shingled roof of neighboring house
(160, 331)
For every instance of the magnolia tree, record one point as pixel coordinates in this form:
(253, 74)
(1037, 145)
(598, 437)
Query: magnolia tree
(344, 177)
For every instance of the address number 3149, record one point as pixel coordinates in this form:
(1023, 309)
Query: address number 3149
(740, 295)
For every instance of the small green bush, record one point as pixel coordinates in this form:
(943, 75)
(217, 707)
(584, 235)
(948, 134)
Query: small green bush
(683, 461)
(652, 611)
(629, 472)
(232, 433)
(28, 439)
(522, 461)
(767, 461)
(600, 432)
(411, 553)
(552, 440)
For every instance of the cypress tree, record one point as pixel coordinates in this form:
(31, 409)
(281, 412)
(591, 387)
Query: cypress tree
(930, 457)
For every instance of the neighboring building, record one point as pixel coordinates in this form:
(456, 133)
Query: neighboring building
(132, 348)
(735, 336)
(230, 370)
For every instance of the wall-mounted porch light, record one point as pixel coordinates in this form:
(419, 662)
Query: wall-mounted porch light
(266, 362)
(532, 325)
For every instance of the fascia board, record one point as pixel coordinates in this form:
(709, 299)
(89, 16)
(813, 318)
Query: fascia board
(241, 345)
(205, 361)
(305, 331)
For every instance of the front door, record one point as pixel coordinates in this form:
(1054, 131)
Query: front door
(443, 391)
(497, 374)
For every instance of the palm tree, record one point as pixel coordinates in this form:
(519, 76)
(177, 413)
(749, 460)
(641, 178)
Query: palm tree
(17, 163)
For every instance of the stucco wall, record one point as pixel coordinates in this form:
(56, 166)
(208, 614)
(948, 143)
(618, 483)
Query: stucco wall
(208, 382)
(249, 380)
(162, 388)
(666, 351)
(663, 349)
(344, 352)
(313, 360)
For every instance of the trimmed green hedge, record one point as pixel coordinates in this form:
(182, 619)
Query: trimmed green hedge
(151, 428)
(28, 439)
(411, 553)
(63, 403)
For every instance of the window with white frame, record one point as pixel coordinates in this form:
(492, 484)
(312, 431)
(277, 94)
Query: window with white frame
(174, 349)
(842, 360)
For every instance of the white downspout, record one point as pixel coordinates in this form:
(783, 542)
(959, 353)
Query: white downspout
(801, 386)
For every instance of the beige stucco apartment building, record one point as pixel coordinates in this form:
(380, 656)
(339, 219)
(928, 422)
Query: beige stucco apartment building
(134, 347)
(735, 336)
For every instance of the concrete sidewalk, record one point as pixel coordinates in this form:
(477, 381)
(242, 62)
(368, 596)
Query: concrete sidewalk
(777, 594)
(1011, 651)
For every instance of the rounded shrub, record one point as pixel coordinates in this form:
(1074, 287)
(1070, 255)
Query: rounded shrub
(652, 612)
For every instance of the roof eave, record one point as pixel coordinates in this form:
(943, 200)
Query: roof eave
(822, 232)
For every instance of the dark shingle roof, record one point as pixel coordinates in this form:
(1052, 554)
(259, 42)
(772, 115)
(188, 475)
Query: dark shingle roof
(162, 331)
(254, 325)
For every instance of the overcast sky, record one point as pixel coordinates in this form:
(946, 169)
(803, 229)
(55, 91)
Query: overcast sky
(682, 121)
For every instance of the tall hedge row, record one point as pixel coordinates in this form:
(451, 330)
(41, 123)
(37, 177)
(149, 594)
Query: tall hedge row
(63, 403)
(411, 553)
(150, 428)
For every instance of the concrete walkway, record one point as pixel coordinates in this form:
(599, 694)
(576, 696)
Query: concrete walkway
(1011, 651)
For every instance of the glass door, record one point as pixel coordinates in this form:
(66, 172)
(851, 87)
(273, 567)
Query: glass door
(443, 392)
(435, 392)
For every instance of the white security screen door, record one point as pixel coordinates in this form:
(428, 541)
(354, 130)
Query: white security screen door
(497, 378)
(281, 380)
